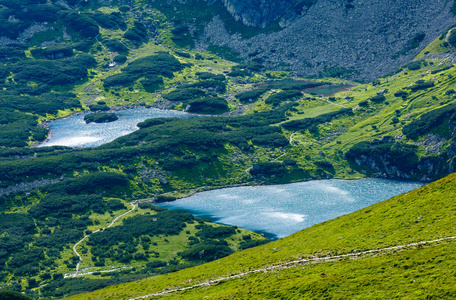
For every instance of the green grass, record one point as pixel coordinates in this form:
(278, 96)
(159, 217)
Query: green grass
(415, 274)
(367, 230)
(427, 213)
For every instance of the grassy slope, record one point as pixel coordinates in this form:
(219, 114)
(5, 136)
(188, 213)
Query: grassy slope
(166, 246)
(355, 129)
(427, 213)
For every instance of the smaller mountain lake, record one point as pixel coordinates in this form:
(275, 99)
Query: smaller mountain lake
(328, 90)
(74, 132)
(280, 210)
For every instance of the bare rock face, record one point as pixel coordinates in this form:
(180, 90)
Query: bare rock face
(257, 13)
(359, 40)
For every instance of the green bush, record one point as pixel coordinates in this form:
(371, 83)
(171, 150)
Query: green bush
(452, 38)
(378, 98)
(97, 107)
(208, 105)
(112, 21)
(52, 72)
(429, 121)
(121, 79)
(414, 65)
(184, 94)
(46, 103)
(120, 59)
(156, 264)
(183, 54)
(210, 232)
(160, 64)
(10, 52)
(124, 8)
(401, 93)
(152, 82)
(206, 252)
(155, 121)
(305, 123)
(100, 118)
(81, 23)
(88, 183)
(441, 69)
(252, 243)
(18, 127)
(13, 295)
(294, 84)
(138, 33)
(251, 96)
(39, 13)
(280, 97)
(420, 85)
(53, 51)
(115, 45)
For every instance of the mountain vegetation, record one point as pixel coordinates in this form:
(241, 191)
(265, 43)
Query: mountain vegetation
(256, 122)
(339, 258)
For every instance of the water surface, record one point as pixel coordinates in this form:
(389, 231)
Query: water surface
(328, 90)
(281, 210)
(74, 132)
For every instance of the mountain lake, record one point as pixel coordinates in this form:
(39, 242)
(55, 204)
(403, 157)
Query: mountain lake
(74, 132)
(280, 210)
(276, 211)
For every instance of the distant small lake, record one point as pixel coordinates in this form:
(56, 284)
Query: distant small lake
(74, 132)
(328, 90)
(280, 210)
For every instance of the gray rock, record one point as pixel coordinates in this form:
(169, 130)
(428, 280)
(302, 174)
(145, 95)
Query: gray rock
(361, 42)
(163, 180)
(382, 92)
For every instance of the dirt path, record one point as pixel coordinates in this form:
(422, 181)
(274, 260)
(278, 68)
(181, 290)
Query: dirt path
(296, 263)
(246, 172)
(330, 102)
(133, 204)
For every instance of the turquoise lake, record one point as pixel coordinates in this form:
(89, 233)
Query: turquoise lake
(74, 132)
(276, 211)
(280, 210)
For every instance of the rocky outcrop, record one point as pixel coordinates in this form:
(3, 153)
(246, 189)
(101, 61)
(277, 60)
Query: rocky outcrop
(362, 40)
(27, 186)
(389, 159)
(258, 13)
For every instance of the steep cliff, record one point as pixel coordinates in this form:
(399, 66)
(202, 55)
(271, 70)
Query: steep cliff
(261, 13)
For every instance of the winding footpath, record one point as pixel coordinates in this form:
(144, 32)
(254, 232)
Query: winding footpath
(295, 263)
(133, 204)
(330, 102)
(246, 172)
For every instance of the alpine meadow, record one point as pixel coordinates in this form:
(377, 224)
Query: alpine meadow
(111, 108)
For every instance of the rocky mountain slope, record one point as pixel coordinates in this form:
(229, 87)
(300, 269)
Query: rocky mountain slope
(359, 40)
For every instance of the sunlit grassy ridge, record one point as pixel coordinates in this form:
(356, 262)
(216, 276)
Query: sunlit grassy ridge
(427, 213)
